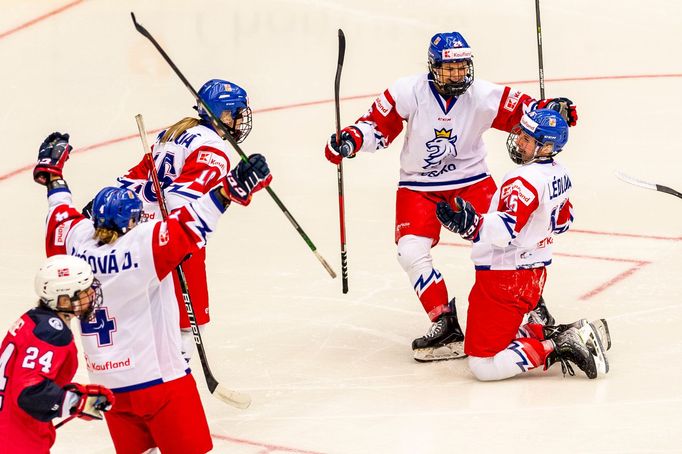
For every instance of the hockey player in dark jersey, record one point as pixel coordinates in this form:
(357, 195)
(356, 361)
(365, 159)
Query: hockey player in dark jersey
(38, 360)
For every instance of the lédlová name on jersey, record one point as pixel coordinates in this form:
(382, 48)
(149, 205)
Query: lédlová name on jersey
(558, 186)
(107, 264)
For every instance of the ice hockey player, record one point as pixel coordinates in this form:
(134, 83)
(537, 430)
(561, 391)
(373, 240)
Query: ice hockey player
(38, 360)
(192, 158)
(132, 345)
(512, 247)
(446, 113)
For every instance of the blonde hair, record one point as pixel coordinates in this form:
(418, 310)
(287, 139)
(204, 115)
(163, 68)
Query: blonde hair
(105, 236)
(178, 128)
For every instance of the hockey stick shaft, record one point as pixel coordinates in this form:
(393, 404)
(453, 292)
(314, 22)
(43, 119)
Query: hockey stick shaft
(64, 421)
(339, 167)
(541, 65)
(647, 185)
(230, 397)
(219, 125)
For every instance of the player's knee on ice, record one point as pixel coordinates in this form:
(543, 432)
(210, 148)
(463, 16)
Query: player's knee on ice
(493, 368)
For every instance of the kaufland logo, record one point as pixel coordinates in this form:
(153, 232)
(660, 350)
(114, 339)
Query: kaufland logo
(383, 106)
(528, 124)
(463, 53)
(211, 159)
(107, 366)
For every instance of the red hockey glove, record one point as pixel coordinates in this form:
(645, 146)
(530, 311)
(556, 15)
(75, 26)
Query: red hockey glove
(463, 220)
(53, 153)
(93, 400)
(562, 105)
(247, 178)
(351, 141)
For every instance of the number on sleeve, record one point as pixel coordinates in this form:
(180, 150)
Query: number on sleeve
(4, 359)
(46, 362)
(32, 354)
(29, 360)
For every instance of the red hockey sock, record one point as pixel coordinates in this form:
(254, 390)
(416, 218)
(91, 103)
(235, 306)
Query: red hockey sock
(535, 330)
(535, 351)
(433, 294)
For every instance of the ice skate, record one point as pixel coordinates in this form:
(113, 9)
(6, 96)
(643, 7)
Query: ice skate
(443, 341)
(601, 328)
(582, 347)
(540, 314)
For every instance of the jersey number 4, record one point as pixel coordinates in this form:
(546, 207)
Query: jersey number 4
(29, 362)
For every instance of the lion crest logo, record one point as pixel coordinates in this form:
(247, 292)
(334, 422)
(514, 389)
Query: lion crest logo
(440, 147)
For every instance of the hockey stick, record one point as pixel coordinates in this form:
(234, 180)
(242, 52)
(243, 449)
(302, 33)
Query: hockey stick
(541, 65)
(647, 185)
(64, 421)
(228, 396)
(219, 125)
(339, 167)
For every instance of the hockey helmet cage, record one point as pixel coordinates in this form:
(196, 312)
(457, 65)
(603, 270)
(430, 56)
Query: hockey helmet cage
(67, 275)
(546, 126)
(220, 96)
(450, 47)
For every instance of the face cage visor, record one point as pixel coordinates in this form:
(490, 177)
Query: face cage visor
(238, 127)
(515, 152)
(451, 88)
(79, 300)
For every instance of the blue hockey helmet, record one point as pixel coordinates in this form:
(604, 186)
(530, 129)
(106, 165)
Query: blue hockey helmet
(445, 48)
(114, 208)
(221, 96)
(547, 127)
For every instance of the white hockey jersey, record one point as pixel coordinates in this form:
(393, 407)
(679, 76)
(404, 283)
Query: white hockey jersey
(443, 146)
(134, 340)
(529, 208)
(188, 167)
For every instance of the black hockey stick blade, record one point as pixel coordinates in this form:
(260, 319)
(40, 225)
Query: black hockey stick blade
(647, 185)
(221, 126)
(337, 80)
(342, 55)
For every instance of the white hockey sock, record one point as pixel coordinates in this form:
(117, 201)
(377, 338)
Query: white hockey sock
(414, 256)
(520, 356)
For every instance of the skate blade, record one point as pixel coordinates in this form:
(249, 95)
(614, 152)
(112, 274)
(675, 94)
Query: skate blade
(589, 335)
(453, 350)
(602, 329)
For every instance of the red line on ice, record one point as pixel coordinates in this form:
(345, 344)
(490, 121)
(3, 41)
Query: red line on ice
(268, 447)
(39, 18)
(637, 264)
(628, 235)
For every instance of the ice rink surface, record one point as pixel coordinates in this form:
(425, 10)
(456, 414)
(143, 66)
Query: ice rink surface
(333, 373)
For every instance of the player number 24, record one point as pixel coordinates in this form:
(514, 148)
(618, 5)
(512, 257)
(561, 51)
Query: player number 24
(29, 363)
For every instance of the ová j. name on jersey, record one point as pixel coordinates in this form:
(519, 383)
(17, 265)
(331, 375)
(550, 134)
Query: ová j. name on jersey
(134, 340)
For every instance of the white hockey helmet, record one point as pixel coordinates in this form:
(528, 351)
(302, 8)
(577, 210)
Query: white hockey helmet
(67, 275)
